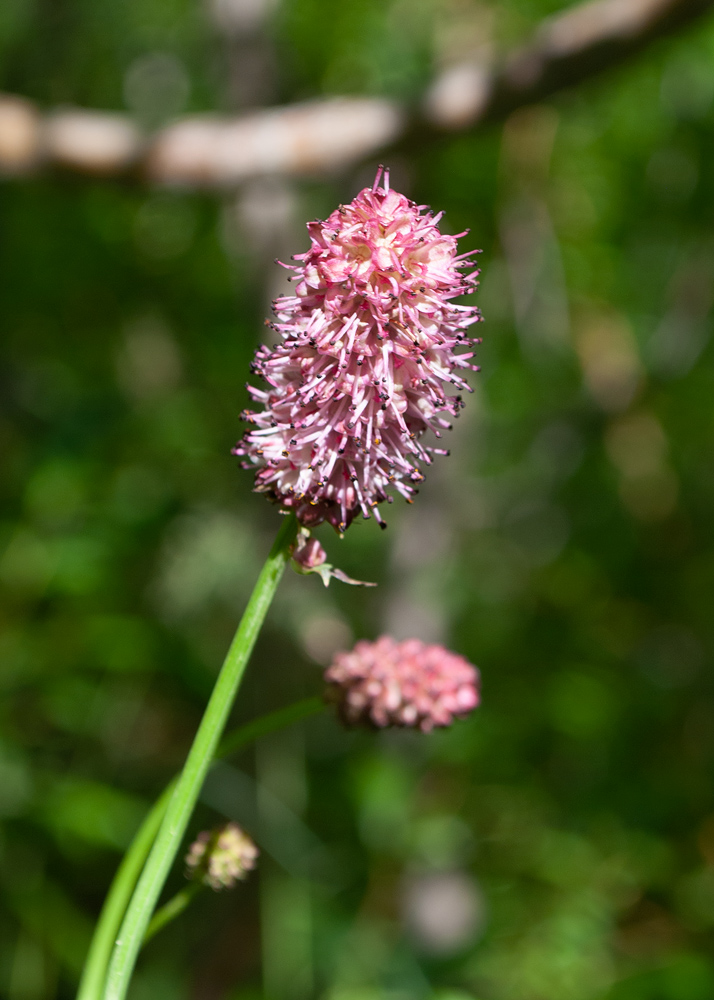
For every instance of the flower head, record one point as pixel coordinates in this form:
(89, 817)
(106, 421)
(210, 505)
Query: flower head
(369, 343)
(220, 857)
(389, 683)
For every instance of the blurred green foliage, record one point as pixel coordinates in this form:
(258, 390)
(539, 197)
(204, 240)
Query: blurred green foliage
(559, 844)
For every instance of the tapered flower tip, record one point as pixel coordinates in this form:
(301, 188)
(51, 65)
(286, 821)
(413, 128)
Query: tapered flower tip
(389, 683)
(371, 341)
(219, 858)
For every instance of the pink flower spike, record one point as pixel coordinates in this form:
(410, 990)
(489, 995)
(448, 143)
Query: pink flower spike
(389, 683)
(369, 345)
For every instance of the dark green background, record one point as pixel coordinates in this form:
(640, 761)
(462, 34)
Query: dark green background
(566, 546)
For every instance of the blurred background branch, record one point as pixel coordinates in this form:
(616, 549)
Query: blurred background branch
(209, 151)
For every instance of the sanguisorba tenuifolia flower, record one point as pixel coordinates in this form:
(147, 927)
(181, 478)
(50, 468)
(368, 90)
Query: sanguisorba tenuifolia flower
(410, 683)
(221, 857)
(369, 349)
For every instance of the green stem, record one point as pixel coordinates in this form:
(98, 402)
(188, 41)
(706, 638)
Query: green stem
(169, 911)
(278, 719)
(95, 966)
(188, 786)
(91, 986)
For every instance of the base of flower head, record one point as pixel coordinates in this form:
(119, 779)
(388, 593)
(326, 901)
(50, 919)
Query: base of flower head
(337, 503)
(408, 684)
(310, 513)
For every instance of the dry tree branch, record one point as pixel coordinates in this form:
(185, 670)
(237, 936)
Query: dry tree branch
(207, 151)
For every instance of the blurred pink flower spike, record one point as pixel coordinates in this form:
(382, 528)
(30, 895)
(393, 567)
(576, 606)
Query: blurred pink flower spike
(219, 858)
(389, 683)
(369, 343)
(309, 557)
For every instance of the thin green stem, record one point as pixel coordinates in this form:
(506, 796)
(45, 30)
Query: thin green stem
(91, 986)
(281, 717)
(169, 911)
(188, 786)
(95, 966)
